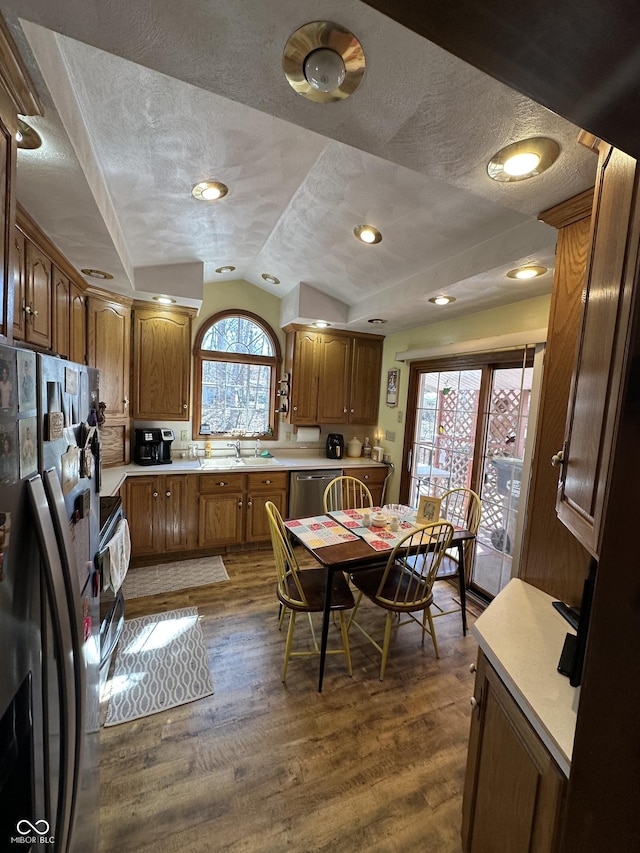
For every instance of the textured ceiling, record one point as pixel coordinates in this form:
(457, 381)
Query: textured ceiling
(143, 100)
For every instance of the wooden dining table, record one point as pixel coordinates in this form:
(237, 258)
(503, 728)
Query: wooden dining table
(357, 555)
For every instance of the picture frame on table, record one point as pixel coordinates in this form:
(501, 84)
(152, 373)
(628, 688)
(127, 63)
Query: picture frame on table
(428, 509)
(393, 380)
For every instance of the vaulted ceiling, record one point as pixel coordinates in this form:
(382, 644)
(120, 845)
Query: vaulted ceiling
(143, 100)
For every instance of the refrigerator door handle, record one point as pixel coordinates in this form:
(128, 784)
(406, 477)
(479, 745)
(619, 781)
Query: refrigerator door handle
(62, 632)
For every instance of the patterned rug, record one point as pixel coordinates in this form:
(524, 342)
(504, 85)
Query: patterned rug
(161, 662)
(170, 577)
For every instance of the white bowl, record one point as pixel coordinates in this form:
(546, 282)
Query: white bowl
(379, 520)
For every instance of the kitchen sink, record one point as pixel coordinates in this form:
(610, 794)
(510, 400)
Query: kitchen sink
(227, 463)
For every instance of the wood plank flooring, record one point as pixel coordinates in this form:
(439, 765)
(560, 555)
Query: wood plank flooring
(261, 766)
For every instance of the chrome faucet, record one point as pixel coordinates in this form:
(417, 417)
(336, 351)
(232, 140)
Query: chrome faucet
(236, 446)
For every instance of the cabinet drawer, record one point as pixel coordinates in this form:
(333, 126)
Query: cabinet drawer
(369, 476)
(267, 480)
(222, 482)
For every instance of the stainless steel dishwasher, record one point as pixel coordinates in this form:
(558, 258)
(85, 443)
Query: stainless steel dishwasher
(306, 489)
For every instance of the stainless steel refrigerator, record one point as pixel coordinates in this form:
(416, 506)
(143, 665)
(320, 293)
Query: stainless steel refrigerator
(49, 603)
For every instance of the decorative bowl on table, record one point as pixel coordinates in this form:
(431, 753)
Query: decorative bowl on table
(379, 519)
(401, 510)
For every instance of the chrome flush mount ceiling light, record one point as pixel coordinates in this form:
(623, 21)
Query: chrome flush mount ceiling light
(164, 300)
(528, 271)
(104, 276)
(367, 234)
(26, 136)
(323, 61)
(442, 300)
(209, 190)
(524, 159)
(227, 268)
(270, 278)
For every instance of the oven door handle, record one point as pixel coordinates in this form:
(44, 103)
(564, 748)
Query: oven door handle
(116, 611)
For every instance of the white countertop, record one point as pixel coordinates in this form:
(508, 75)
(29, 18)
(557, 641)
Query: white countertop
(522, 635)
(113, 478)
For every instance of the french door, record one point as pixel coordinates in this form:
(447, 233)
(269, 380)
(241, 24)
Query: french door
(466, 427)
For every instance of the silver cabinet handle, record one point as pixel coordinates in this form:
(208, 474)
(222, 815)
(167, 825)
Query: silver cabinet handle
(249, 503)
(558, 458)
(168, 494)
(365, 477)
(474, 703)
(184, 405)
(267, 482)
(472, 667)
(295, 408)
(155, 494)
(352, 411)
(222, 483)
(239, 504)
(345, 410)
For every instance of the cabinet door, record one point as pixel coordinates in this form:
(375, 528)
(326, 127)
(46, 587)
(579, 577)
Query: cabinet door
(598, 380)
(161, 364)
(366, 361)
(373, 478)
(513, 791)
(109, 347)
(38, 297)
(61, 313)
(78, 325)
(333, 385)
(179, 512)
(304, 379)
(220, 519)
(144, 511)
(263, 487)
(19, 284)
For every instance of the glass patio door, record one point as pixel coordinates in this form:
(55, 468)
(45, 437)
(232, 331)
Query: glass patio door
(469, 431)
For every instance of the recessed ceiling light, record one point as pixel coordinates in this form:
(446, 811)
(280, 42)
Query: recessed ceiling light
(321, 324)
(26, 136)
(323, 62)
(105, 276)
(209, 190)
(164, 300)
(367, 234)
(270, 278)
(228, 268)
(377, 321)
(528, 271)
(442, 300)
(524, 159)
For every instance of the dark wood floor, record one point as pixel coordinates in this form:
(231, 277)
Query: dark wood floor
(260, 766)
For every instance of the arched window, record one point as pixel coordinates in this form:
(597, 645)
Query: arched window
(236, 362)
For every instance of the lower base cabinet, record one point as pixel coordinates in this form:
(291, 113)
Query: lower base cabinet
(514, 791)
(188, 513)
(373, 478)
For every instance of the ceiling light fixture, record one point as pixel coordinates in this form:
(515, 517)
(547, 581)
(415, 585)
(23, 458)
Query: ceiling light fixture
(528, 271)
(105, 276)
(323, 62)
(270, 278)
(376, 321)
(367, 234)
(26, 137)
(524, 159)
(321, 324)
(164, 300)
(209, 190)
(442, 300)
(228, 268)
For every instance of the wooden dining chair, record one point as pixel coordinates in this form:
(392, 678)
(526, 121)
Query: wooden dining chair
(302, 591)
(463, 508)
(404, 585)
(346, 492)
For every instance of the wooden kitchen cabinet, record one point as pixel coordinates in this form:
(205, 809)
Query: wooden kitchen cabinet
(335, 377)
(161, 511)
(161, 363)
(108, 349)
(603, 349)
(514, 791)
(262, 487)
(373, 478)
(221, 510)
(78, 325)
(61, 306)
(32, 312)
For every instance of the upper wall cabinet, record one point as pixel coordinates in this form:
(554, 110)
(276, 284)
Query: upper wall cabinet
(603, 349)
(161, 363)
(335, 377)
(32, 314)
(109, 349)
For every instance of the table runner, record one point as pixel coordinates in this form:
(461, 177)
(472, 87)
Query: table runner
(318, 531)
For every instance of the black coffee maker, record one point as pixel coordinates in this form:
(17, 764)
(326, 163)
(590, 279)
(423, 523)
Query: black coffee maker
(335, 445)
(153, 446)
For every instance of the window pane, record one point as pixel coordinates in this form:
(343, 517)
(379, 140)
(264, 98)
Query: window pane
(236, 396)
(239, 335)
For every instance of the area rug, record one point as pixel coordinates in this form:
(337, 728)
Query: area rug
(170, 577)
(161, 662)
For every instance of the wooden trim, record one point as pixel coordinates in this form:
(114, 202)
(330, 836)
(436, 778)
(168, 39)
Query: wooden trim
(569, 211)
(15, 78)
(344, 333)
(237, 312)
(156, 307)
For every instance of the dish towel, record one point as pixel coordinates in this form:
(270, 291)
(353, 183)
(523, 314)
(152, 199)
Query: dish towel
(117, 556)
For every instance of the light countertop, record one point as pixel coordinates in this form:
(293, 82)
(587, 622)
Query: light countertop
(113, 478)
(522, 636)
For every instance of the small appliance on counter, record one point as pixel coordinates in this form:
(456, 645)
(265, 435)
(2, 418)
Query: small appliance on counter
(153, 446)
(335, 445)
